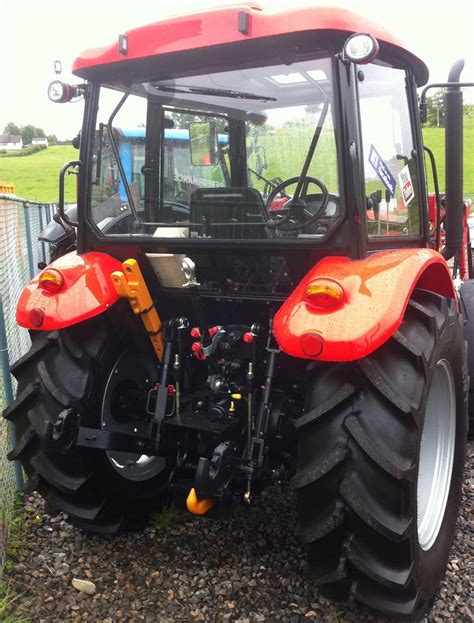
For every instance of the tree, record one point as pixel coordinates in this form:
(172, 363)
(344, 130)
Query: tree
(184, 120)
(435, 110)
(52, 139)
(468, 110)
(12, 128)
(28, 132)
(312, 109)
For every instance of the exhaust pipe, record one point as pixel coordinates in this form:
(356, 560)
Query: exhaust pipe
(453, 106)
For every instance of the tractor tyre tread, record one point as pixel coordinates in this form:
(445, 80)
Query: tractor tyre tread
(60, 372)
(354, 517)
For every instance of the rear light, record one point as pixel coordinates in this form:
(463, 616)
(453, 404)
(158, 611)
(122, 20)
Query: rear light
(50, 280)
(36, 317)
(325, 293)
(311, 344)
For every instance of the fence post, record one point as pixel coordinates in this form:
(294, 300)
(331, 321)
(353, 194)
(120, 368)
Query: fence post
(7, 384)
(40, 217)
(29, 242)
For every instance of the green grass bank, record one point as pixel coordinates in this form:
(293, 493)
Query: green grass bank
(36, 176)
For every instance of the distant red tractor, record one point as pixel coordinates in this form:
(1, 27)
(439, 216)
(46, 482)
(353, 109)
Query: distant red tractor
(288, 315)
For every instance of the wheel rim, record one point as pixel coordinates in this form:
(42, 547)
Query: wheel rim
(123, 407)
(436, 455)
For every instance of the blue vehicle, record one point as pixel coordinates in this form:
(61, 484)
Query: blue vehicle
(186, 175)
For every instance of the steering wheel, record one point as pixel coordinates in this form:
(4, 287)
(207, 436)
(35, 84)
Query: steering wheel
(299, 215)
(177, 207)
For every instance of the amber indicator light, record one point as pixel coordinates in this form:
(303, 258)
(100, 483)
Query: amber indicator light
(51, 280)
(325, 293)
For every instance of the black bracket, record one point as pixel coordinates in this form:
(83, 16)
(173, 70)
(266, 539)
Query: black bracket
(213, 476)
(244, 22)
(118, 442)
(67, 433)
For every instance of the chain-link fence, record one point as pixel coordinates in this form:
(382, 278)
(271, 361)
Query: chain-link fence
(20, 223)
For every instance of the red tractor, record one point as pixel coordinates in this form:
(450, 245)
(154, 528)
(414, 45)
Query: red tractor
(288, 315)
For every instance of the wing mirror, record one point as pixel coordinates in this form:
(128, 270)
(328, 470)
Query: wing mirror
(203, 143)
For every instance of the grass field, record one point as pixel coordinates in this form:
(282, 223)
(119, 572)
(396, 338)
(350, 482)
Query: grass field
(36, 176)
(434, 139)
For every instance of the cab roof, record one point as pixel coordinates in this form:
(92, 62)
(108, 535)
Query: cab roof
(229, 25)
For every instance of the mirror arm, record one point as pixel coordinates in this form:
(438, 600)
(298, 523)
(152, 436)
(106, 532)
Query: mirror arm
(62, 173)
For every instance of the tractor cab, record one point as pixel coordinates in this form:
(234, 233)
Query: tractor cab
(298, 148)
(271, 159)
(257, 296)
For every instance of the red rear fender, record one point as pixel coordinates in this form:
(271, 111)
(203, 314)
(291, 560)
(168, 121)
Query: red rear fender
(87, 291)
(376, 293)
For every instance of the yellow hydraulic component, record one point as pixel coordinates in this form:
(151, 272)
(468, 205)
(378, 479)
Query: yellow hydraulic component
(236, 396)
(195, 506)
(131, 285)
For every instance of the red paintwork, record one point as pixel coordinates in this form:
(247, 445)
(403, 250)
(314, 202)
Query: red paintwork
(432, 218)
(376, 290)
(432, 211)
(87, 291)
(278, 203)
(464, 260)
(219, 26)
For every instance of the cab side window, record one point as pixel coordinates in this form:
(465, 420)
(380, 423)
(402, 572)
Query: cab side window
(391, 183)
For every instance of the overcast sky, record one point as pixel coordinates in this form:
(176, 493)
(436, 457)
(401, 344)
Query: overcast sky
(34, 33)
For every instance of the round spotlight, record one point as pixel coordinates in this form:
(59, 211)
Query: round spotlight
(58, 92)
(360, 48)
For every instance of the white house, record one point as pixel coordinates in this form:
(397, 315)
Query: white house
(40, 141)
(10, 141)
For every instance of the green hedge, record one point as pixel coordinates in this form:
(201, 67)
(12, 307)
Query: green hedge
(26, 151)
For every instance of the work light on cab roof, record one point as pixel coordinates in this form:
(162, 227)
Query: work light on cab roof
(60, 92)
(361, 48)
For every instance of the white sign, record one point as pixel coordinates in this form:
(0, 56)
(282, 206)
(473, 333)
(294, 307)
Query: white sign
(406, 185)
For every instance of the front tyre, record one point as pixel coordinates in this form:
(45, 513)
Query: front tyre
(103, 369)
(380, 464)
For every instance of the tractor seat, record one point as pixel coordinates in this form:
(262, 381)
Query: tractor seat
(232, 205)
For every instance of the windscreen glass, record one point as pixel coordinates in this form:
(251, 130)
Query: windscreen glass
(247, 154)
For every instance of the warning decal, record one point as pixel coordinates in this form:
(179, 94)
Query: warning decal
(406, 185)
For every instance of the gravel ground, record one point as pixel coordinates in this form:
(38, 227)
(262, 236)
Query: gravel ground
(248, 570)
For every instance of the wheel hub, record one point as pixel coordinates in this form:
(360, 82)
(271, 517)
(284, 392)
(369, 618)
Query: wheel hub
(124, 410)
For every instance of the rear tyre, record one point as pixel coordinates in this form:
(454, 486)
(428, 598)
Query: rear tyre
(467, 298)
(102, 369)
(380, 464)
